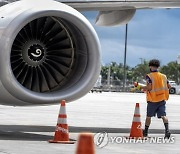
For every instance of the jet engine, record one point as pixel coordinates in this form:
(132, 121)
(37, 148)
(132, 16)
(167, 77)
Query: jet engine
(48, 52)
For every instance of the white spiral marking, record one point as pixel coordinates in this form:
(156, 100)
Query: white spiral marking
(37, 54)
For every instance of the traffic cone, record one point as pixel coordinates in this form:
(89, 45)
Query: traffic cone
(85, 144)
(62, 132)
(136, 130)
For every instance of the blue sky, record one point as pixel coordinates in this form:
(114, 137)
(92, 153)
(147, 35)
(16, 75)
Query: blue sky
(151, 34)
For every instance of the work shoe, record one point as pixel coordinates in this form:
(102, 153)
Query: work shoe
(167, 135)
(145, 133)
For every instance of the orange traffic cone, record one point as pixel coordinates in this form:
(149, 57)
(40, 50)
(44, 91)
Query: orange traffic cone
(85, 144)
(136, 130)
(62, 132)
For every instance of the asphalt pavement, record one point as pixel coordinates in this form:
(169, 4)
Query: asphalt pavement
(26, 130)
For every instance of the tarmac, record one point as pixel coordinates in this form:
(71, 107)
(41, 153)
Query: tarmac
(26, 130)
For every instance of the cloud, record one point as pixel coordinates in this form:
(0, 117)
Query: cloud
(110, 52)
(151, 34)
(134, 53)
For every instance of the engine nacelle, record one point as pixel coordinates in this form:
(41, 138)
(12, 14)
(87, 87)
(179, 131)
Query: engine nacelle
(48, 52)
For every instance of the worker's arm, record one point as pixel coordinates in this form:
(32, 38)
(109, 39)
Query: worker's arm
(148, 87)
(168, 85)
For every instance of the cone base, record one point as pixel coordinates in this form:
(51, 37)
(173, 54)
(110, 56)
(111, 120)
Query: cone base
(62, 142)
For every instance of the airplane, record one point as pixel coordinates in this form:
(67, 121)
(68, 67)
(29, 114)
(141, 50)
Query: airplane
(49, 51)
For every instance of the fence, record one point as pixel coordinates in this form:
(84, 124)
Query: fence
(115, 85)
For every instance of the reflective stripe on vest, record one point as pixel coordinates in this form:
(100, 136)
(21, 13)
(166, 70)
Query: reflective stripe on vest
(159, 90)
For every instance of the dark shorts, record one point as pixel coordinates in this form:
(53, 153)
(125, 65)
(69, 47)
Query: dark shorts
(158, 108)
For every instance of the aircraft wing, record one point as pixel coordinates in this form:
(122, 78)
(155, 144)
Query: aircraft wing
(105, 5)
(110, 5)
(118, 12)
(114, 12)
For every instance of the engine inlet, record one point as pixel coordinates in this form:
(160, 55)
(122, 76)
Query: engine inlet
(43, 55)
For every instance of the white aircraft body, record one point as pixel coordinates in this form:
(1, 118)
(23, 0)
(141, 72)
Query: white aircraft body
(49, 51)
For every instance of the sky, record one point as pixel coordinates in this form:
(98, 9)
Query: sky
(151, 34)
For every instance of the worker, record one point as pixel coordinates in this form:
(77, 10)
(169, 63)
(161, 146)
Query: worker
(157, 90)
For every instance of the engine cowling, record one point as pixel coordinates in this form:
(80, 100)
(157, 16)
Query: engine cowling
(49, 52)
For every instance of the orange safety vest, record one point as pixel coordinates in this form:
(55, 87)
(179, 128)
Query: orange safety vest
(160, 89)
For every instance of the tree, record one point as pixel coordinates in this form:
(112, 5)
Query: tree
(172, 71)
(116, 71)
(139, 72)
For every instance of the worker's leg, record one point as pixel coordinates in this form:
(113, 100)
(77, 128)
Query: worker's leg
(161, 113)
(148, 121)
(165, 119)
(147, 124)
(166, 125)
(151, 110)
